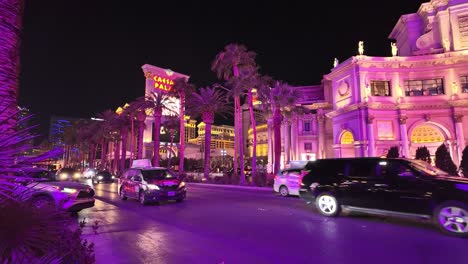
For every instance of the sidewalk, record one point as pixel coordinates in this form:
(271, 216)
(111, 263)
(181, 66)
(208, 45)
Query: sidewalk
(255, 188)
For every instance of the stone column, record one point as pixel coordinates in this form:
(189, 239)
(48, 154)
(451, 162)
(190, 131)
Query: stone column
(321, 137)
(270, 145)
(404, 136)
(370, 137)
(294, 126)
(458, 119)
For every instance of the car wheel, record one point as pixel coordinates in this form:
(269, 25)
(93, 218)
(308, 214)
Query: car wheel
(452, 218)
(141, 198)
(327, 204)
(283, 190)
(122, 194)
(42, 201)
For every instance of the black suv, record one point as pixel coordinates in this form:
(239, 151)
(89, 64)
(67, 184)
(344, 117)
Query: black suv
(397, 187)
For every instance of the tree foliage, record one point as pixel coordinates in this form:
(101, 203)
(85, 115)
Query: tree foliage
(464, 163)
(393, 152)
(444, 161)
(422, 153)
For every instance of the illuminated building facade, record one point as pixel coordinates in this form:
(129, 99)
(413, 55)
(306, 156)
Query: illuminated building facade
(159, 80)
(222, 139)
(416, 97)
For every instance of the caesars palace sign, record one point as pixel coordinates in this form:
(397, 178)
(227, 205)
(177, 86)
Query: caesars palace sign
(159, 82)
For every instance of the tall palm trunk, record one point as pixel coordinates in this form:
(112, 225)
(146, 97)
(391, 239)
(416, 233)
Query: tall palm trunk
(132, 136)
(240, 141)
(141, 129)
(103, 153)
(236, 140)
(11, 12)
(277, 138)
(92, 151)
(254, 132)
(208, 119)
(169, 153)
(157, 135)
(123, 156)
(182, 133)
(116, 156)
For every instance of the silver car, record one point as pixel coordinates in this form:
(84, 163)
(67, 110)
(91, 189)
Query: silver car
(42, 192)
(287, 182)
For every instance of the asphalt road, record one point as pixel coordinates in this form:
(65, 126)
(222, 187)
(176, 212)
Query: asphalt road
(223, 225)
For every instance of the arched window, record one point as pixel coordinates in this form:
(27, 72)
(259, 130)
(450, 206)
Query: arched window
(426, 134)
(347, 138)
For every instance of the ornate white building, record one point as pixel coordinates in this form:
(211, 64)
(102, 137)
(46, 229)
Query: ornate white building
(417, 97)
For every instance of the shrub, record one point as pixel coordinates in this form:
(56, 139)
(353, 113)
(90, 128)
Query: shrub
(29, 234)
(393, 152)
(422, 153)
(464, 163)
(444, 161)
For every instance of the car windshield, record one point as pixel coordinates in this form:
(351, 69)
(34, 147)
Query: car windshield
(427, 168)
(104, 173)
(157, 175)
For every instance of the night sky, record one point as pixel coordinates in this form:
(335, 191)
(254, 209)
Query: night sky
(80, 58)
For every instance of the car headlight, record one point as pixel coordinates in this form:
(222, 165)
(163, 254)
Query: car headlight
(99, 177)
(152, 187)
(77, 175)
(69, 190)
(63, 175)
(181, 184)
(113, 177)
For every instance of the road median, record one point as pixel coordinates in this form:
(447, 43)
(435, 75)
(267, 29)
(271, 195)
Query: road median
(242, 187)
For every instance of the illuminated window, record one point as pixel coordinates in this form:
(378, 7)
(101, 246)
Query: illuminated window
(426, 134)
(464, 83)
(380, 88)
(347, 138)
(424, 87)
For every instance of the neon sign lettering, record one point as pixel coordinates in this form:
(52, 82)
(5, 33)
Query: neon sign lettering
(162, 83)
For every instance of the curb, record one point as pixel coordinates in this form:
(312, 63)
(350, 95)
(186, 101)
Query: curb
(270, 189)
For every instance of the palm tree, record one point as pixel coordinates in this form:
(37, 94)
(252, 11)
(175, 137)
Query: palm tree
(227, 64)
(182, 89)
(11, 13)
(281, 100)
(206, 103)
(248, 81)
(106, 132)
(156, 103)
(170, 127)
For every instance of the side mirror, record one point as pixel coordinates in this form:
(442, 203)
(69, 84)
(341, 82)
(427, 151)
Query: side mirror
(137, 178)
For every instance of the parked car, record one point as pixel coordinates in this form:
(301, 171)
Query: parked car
(287, 182)
(151, 184)
(42, 191)
(394, 187)
(103, 176)
(68, 174)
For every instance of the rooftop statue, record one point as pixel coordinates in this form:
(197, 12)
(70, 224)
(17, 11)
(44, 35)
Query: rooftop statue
(361, 47)
(335, 63)
(394, 49)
